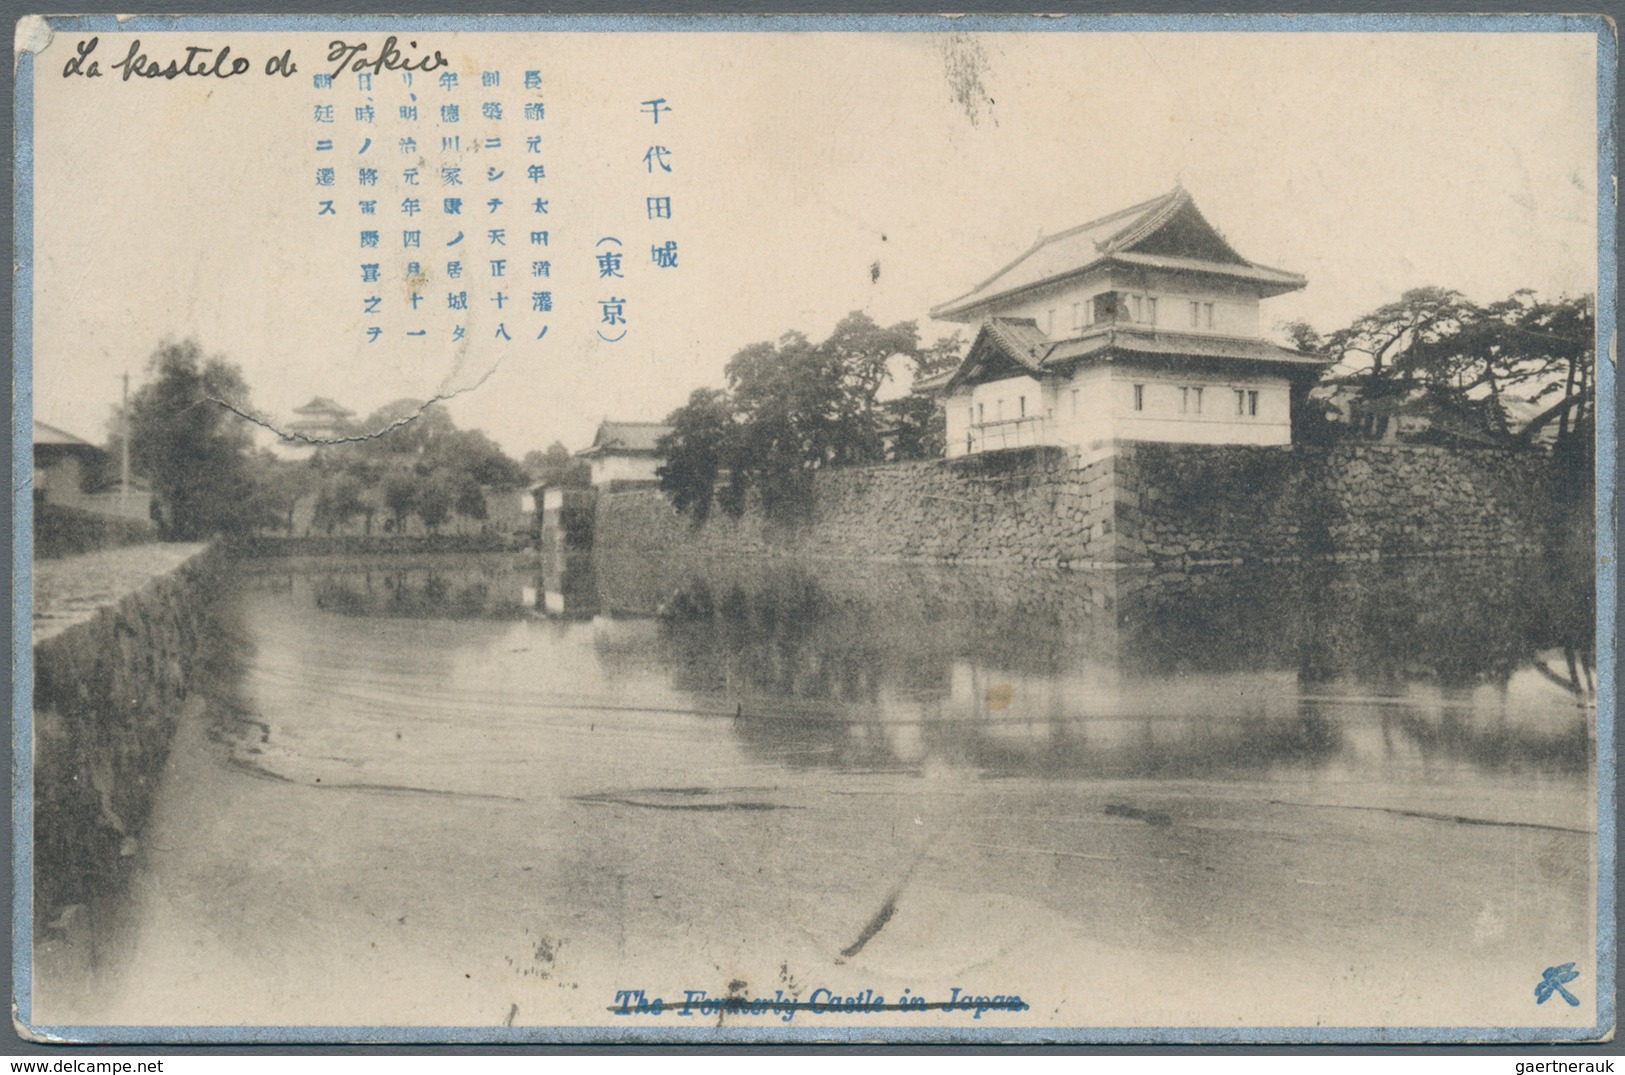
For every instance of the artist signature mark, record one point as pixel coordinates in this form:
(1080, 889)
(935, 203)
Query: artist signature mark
(1552, 980)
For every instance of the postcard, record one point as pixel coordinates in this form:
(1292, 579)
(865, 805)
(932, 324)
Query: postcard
(800, 529)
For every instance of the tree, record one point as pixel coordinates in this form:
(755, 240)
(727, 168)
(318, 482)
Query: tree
(1495, 374)
(416, 461)
(400, 497)
(1551, 346)
(191, 446)
(470, 501)
(278, 487)
(556, 467)
(406, 427)
(1395, 343)
(791, 408)
(434, 501)
(942, 357)
(339, 501)
(809, 406)
(918, 419)
(471, 455)
(704, 441)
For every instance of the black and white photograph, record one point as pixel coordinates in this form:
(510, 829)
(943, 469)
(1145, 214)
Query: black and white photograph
(909, 529)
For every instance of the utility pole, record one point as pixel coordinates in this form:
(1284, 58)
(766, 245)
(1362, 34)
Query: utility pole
(124, 452)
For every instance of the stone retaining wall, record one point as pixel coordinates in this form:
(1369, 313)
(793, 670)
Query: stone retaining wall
(109, 686)
(1156, 504)
(1192, 504)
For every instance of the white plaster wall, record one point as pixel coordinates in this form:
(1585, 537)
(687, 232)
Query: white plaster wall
(1233, 315)
(1235, 309)
(956, 409)
(1083, 409)
(1217, 423)
(1095, 408)
(1039, 304)
(1002, 402)
(623, 468)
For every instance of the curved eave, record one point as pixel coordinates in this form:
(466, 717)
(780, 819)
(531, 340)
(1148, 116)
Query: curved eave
(1186, 350)
(970, 306)
(1129, 345)
(971, 373)
(1270, 282)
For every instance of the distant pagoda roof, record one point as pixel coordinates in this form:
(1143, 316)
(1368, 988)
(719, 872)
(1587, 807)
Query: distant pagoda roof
(324, 406)
(1167, 232)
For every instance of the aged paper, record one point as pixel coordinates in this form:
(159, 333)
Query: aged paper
(1135, 576)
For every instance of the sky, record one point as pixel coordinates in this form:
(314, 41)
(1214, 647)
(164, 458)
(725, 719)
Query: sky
(812, 175)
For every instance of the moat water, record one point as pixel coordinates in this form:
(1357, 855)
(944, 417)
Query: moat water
(483, 790)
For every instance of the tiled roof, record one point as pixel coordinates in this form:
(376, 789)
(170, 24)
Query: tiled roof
(1263, 274)
(926, 385)
(634, 438)
(1020, 341)
(1019, 338)
(1002, 342)
(60, 438)
(1121, 340)
(1113, 238)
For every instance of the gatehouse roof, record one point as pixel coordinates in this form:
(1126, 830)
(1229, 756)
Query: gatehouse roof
(1168, 233)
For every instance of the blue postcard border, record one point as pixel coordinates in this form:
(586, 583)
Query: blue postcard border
(22, 535)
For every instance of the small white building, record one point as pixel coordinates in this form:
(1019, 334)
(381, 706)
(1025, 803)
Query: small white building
(70, 472)
(1142, 325)
(625, 452)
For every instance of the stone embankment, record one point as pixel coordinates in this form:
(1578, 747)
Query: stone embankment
(1196, 504)
(1149, 504)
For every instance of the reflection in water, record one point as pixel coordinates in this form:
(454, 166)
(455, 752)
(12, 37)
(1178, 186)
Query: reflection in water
(418, 591)
(1412, 666)
(1421, 663)
(567, 586)
(583, 735)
